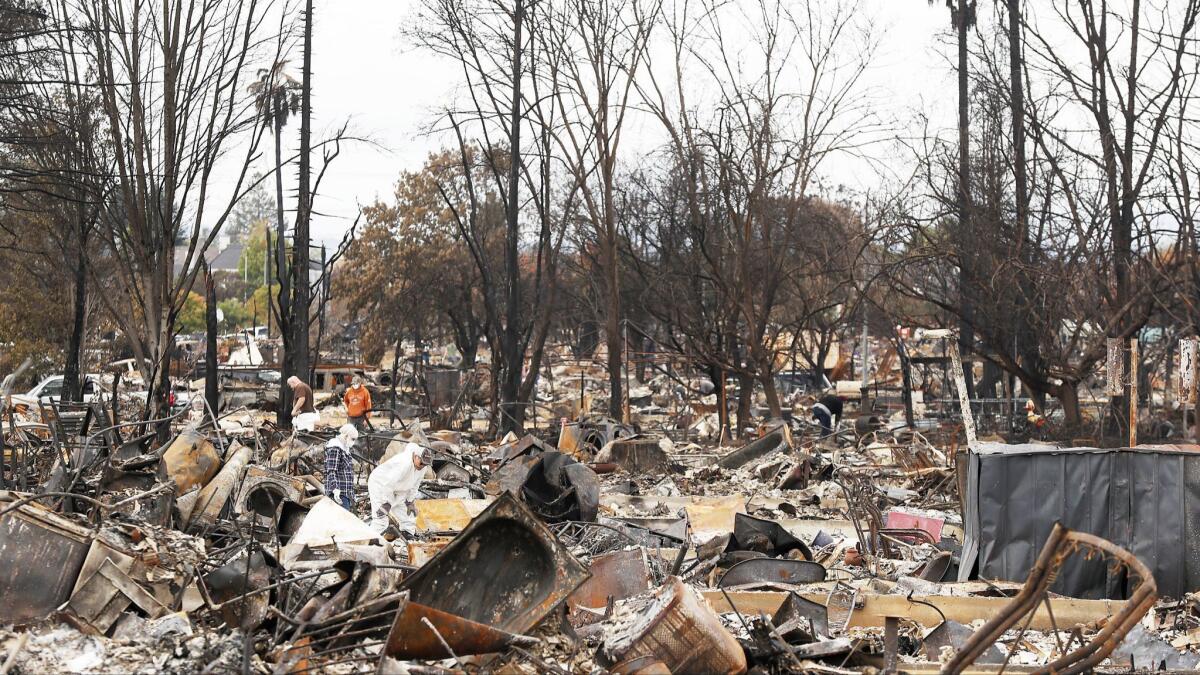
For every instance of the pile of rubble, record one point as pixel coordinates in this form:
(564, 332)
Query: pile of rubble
(602, 549)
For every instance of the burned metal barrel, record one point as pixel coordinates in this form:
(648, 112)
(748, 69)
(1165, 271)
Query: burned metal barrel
(682, 631)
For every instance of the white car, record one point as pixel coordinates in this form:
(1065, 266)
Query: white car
(51, 389)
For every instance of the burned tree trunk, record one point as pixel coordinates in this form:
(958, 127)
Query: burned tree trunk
(296, 356)
(718, 377)
(301, 289)
(613, 341)
(1067, 394)
(964, 17)
(280, 248)
(513, 415)
(72, 375)
(767, 379)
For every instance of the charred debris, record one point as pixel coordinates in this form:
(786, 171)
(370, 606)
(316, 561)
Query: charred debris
(655, 544)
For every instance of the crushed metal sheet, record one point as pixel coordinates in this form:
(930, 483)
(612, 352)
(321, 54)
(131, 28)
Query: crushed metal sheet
(505, 570)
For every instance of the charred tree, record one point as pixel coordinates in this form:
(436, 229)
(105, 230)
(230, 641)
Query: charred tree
(296, 352)
(513, 413)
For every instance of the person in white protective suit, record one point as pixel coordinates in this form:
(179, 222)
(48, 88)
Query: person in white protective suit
(393, 487)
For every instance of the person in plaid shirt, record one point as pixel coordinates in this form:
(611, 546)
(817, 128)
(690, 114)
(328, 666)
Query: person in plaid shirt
(339, 467)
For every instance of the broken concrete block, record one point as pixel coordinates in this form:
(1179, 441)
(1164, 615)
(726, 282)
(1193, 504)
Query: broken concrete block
(133, 628)
(1146, 651)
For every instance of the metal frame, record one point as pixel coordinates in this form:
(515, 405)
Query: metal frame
(1061, 544)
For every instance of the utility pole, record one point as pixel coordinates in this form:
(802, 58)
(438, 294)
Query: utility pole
(865, 347)
(1134, 367)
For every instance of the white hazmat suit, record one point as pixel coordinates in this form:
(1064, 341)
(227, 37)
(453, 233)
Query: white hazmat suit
(391, 486)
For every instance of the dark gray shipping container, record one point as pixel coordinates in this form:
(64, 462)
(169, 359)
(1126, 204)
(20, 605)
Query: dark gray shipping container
(1145, 500)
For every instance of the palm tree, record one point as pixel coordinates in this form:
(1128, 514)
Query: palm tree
(296, 352)
(962, 17)
(276, 99)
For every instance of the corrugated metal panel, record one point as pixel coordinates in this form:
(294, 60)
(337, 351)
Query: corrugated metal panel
(1146, 500)
(40, 557)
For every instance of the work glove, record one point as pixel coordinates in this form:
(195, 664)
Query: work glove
(337, 496)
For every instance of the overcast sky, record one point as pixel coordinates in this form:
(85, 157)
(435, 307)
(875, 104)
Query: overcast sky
(365, 73)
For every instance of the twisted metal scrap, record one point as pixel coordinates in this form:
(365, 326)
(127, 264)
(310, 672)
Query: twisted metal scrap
(862, 511)
(593, 538)
(1061, 544)
(912, 454)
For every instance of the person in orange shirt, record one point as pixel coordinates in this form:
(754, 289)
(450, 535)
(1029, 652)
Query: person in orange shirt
(358, 404)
